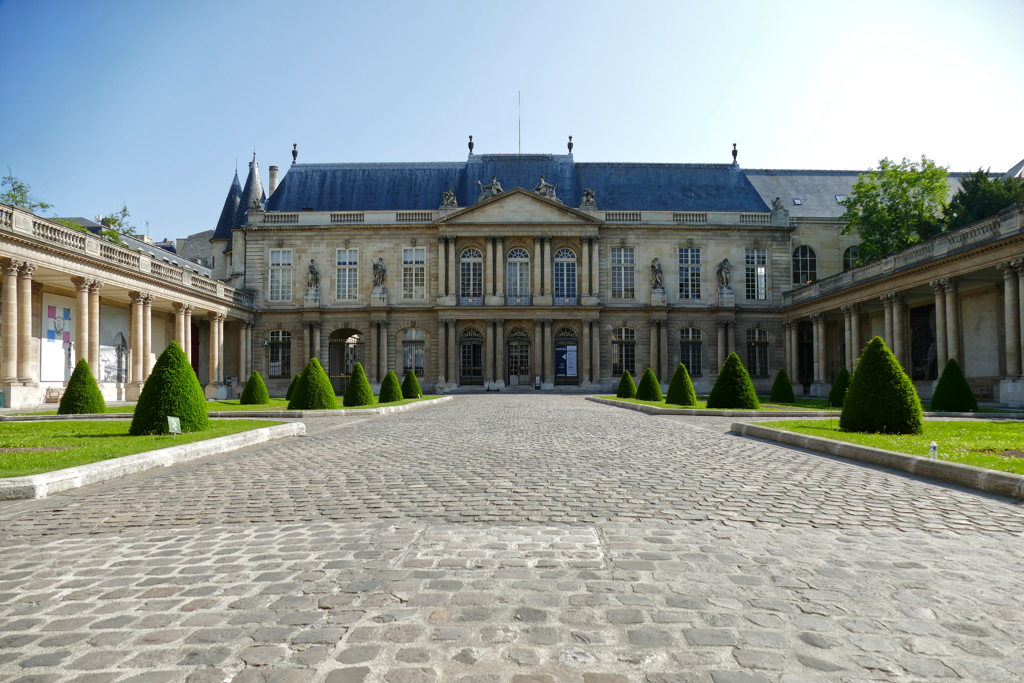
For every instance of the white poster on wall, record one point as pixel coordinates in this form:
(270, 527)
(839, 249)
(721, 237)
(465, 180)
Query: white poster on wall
(56, 352)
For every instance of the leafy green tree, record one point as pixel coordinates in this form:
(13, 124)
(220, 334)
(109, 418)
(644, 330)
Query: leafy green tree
(82, 397)
(680, 389)
(20, 194)
(953, 394)
(390, 389)
(837, 394)
(782, 389)
(68, 223)
(255, 392)
(980, 196)
(649, 389)
(172, 389)
(627, 389)
(411, 385)
(881, 398)
(895, 206)
(118, 221)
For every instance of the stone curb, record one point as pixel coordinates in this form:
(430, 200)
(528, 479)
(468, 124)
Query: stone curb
(990, 481)
(703, 412)
(239, 414)
(42, 485)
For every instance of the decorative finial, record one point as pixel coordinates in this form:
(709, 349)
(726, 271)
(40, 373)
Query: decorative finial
(734, 152)
(295, 152)
(471, 144)
(570, 144)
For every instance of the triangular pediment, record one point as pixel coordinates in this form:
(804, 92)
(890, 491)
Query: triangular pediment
(518, 206)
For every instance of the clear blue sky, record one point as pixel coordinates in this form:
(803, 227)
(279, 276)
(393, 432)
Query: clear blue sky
(151, 103)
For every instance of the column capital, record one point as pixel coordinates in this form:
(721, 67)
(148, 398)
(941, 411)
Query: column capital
(1009, 269)
(37, 287)
(936, 285)
(442, 239)
(9, 266)
(136, 297)
(26, 269)
(537, 239)
(816, 317)
(95, 286)
(489, 239)
(178, 307)
(446, 321)
(494, 321)
(546, 238)
(80, 283)
(499, 238)
(148, 298)
(886, 299)
(722, 324)
(316, 324)
(950, 283)
(856, 307)
(188, 308)
(542, 321)
(1018, 264)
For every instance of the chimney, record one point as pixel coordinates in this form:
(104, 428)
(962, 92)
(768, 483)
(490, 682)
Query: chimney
(273, 180)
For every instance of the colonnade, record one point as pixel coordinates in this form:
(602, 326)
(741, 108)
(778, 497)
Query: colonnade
(16, 330)
(1013, 316)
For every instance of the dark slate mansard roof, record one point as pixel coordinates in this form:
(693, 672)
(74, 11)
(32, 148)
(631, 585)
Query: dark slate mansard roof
(238, 203)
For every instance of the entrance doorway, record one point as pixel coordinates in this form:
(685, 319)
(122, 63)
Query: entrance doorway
(805, 356)
(345, 349)
(519, 357)
(566, 354)
(471, 369)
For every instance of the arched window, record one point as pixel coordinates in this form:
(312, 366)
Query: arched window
(805, 266)
(690, 350)
(565, 277)
(471, 369)
(566, 356)
(280, 353)
(623, 350)
(472, 281)
(412, 350)
(850, 257)
(757, 352)
(517, 287)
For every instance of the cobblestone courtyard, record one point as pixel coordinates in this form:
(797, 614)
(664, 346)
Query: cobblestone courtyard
(513, 539)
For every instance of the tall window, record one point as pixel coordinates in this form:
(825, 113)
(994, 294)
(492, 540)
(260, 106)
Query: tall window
(690, 350)
(565, 277)
(622, 272)
(348, 274)
(412, 350)
(850, 257)
(689, 275)
(472, 269)
(805, 266)
(623, 350)
(280, 349)
(757, 352)
(414, 273)
(280, 274)
(517, 284)
(757, 273)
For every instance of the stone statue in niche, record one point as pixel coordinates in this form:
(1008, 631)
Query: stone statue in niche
(380, 271)
(546, 189)
(314, 276)
(657, 276)
(448, 200)
(777, 204)
(588, 199)
(724, 271)
(492, 190)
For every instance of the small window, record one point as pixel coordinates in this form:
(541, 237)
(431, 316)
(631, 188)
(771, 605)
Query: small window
(414, 273)
(850, 257)
(690, 350)
(805, 266)
(623, 351)
(797, 202)
(757, 352)
(347, 274)
(757, 274)
(622, 272)
(280, 353)
(689, 274)
(280, 274)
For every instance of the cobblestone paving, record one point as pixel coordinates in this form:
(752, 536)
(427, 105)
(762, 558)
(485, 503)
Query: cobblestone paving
(512, 539)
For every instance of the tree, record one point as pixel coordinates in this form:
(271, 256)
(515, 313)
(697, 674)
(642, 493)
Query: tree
(314, 390)
(82, 395)
(358, 392)
(649, 389)
(733, 388)
(390, 389)
(255, 392)
(980, 196)
(118, 221)
(411, 385)
(782, 389)
(895, 206)
(881, 398)
(20, 194)
(627, 389)
(680, 389)
(172, 389)
(953, 394)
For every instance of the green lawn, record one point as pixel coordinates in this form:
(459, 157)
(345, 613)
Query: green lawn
(91, 441)
(974, 442)
(233, 405)
(801, 404)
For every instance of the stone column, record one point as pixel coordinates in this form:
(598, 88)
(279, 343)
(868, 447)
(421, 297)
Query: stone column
(595, 347)
(453, 269)
(816, 346)
(887, 304)
(652, 362)
(663, 373)
(585, 353)
(785, 346)
(384, 364)
(538, 256)
(248, 347)
(243, 352)
(1019, 264)
(453, 354)
(136, 338)
(179, 325)
(147, 336)
(94, 327)
(585, 263)
(855, 336)
(499, 350)
(371, 367)
(730, 339)
(845, 308)
(1011, 319)
(898, 329)
(941, 350)
(488, 351)
(316, 339)
(549, 349)
(953, 320)
(81, 319)
(723, 332)
(9, 323)
(489, 270)
(499, 268)
(187, 308)
(25, 343)
(549, 288)
(595, 270)
(442, 352)
(442, 265)
(214, 348)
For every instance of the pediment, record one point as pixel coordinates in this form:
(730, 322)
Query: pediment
(518, 206)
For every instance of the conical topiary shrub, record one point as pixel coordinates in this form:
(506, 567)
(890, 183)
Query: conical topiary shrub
(680, 389)
(390, 389)
(411, 385)
(733, 388)
(314, 391)
(626, 387)
(952, 394)
(82, 396)
(255, 392)
(358, 392)
(298, 388)
(881, 398)
(837, 394)
(649, 389)
(291, 387)
(782, 389)
(172, 389)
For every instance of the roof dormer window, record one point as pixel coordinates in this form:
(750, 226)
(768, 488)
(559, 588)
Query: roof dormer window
(840, 197)
(797, 202)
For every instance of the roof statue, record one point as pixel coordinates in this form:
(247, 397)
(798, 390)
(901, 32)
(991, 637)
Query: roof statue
(657, 276)
(777, 204)
(471, 144)
(448, 200)
(380, 271)
(723, 274)
(570, 144)
(492, 190)
(314, 276)
(588, 199)
(295, 152)
(546, 189)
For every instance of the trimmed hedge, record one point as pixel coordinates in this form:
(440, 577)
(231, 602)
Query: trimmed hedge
(358, 392)
(390, 389)
(837, 394)
(314, 391)
(782, 389)
(680, 389)
(411, 385)
(298, 398)
(82, 397)
(172, 389)
(881, 398)
(255, 392)
(733, 388)
(649, 389)
(626, 387)
(291, 387)
(952, 394)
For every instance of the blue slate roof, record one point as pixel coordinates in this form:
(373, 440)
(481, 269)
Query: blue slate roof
(228, 215)
(419, 186)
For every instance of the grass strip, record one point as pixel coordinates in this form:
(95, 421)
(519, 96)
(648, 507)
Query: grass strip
(232, 405)
(801, 404)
